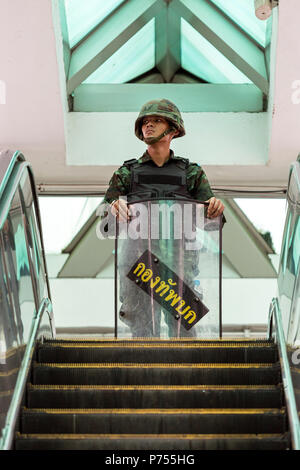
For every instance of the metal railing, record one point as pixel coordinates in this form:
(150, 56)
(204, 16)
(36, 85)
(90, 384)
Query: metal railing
(12, 415)
(13, 169)
(284, 315)
(3, 215)
(289, 259)
(275, 317)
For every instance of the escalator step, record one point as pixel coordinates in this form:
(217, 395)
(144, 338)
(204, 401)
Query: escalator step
(156, 374)
(201, 396)
(167, 341)
(295, 372)
(155, 421)
(150, 442)
(173, 394)
(155, 353)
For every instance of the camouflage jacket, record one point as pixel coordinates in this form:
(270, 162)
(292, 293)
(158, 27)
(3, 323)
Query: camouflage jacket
(197, 182)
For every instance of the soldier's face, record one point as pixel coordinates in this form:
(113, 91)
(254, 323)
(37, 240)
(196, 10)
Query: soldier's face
(153, 126)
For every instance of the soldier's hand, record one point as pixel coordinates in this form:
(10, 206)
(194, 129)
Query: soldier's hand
(215, 208)
(120, 210)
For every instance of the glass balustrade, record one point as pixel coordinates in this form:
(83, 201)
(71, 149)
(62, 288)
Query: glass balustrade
(23, 283)
(289, 278)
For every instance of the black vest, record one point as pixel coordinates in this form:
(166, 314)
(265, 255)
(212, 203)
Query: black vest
(149, 181)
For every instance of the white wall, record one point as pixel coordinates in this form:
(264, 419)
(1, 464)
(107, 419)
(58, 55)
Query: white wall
(247, 300)
(90, 302)
(211, 138)
(83, 302)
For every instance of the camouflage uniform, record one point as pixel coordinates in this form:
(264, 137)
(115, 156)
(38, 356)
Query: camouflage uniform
(140, 312)
(197, 182)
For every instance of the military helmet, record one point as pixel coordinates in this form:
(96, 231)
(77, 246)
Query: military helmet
(163, 108)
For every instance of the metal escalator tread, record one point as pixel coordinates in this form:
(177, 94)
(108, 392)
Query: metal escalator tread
(156, 373)
(272, 441)
(100, 341)
(153, 421)
(192, 353)
(153, 344)
(202, 387)
(91, 394)
(199, 411)
(153, 396)
(143, 351)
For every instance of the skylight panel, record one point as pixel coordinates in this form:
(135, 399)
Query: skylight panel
(83, 16)
(202, 59)
(242, 12)
(134, 58)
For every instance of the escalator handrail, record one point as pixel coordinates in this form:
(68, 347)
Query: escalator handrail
(7, 171)
(293, 207)
(275, 314)
(16, 172)
(22, 168)
(294, 170)
(13, 412)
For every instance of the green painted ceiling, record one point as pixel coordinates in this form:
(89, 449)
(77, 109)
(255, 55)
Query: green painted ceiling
(137, 56)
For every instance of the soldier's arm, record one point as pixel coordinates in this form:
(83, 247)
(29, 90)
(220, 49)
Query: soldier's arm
(198, 184)
(119, 185)
(201, 190)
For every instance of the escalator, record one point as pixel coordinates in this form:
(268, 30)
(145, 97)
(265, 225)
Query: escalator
(181, 386)
(136, 395)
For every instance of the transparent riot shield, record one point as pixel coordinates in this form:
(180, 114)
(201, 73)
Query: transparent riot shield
(168, 271)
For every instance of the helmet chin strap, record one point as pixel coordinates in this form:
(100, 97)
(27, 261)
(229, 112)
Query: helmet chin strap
(153, 140)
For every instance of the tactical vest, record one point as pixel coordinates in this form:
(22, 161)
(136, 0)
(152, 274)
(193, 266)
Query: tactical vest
(149, 181)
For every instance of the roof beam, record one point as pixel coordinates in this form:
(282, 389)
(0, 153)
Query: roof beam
(88, 254)
(194, 97)
(153, 76)
(183, 76)
(108, 38)
(65, 36)
(226, 38)
(167, 42)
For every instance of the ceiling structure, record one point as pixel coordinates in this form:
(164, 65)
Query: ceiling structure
(74, 75)
(164, 41)
(171, 42)
(238, 149)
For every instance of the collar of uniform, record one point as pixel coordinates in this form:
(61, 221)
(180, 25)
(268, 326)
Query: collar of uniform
(146, 157)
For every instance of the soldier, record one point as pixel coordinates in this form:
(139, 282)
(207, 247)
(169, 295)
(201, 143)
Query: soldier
(157, 173)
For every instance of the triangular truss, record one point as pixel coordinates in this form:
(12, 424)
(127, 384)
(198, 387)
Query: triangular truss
(168, 18)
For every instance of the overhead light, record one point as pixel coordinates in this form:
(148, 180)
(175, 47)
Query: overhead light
(263, 9)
